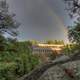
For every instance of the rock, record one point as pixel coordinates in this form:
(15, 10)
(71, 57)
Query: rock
(57, 72)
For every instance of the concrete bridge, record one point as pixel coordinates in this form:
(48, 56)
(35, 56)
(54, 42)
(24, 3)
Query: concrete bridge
(38, 72)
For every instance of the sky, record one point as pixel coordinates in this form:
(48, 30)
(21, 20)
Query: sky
(41, 19)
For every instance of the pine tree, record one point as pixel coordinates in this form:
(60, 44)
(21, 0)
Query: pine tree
(7, 22)
(8, 25)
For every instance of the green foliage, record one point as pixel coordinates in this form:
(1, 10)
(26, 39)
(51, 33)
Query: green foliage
(52, 56)
(25, 54)
(34, 42)
(55, 42)
(71, 49)
(16, 58)
(7, 71)
(73, 7)
(74, 33)
(20, 62)
(2, 43)
(7, 22)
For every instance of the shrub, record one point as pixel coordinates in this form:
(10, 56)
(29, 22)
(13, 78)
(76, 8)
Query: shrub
(7, 71)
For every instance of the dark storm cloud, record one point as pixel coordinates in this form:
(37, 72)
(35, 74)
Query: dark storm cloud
(39, 19)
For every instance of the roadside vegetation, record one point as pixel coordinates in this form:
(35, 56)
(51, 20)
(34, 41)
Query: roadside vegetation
(16, 57)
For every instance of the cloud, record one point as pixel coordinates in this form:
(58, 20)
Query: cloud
(39, 20)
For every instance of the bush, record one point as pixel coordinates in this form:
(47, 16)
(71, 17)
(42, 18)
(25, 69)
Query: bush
(71, 49)
(15, 64)
(7, 71)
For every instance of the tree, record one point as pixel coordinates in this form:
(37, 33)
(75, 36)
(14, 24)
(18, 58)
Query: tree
(15, 57)
(55, 42)
(33, 42)
(2, 43)
(50, 42)
(73, 6)
(74, 33)
(26, 61)
(7, 23)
